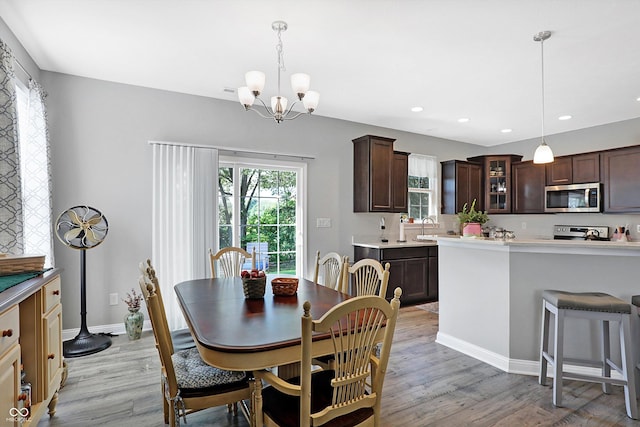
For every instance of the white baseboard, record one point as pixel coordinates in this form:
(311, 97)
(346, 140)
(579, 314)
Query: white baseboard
(115, 329)
(512, 366)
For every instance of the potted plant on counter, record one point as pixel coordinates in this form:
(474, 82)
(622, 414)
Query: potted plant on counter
(471, 220)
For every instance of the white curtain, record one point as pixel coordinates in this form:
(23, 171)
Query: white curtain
(184, 218)
(35, 162)
(422, 166)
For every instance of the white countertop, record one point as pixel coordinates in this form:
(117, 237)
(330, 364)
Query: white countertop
(394, 243)
(547, 245)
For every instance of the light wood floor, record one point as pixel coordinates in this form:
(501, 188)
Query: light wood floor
(427, 384)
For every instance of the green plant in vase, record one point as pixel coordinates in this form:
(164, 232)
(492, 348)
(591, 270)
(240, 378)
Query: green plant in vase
(472, 220)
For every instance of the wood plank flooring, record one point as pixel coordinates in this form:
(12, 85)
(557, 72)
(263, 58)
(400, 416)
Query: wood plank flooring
(427, 384)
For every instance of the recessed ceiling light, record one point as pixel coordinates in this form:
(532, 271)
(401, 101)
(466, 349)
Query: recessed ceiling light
(463, 120)
(638, 98)
(417, 109)
(565, 117)
(506, 130)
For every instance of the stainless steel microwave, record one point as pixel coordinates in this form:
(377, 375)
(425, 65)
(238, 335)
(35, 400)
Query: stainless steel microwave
(573, 198)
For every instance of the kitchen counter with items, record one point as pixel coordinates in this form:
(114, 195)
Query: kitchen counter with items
(490, 293)
(377, 244)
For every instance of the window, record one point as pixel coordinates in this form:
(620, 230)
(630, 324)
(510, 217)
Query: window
(260, 205)
(423, 197)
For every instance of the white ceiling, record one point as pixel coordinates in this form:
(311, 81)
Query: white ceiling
(371, 60)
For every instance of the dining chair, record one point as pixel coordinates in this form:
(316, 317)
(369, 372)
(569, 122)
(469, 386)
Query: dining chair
(188, 383)
(332, 266)
(230, 261)
(339, 397)
(180, 338)
(367, 277)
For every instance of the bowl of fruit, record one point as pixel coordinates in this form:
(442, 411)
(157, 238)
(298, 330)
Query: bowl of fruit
(253, 283)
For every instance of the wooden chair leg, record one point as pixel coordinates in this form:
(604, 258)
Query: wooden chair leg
(165, 404)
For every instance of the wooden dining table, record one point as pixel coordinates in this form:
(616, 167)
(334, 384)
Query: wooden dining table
(235, 333)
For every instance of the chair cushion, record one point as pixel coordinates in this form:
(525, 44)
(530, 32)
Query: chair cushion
(587, 301)
(285, 409)
(196, 378)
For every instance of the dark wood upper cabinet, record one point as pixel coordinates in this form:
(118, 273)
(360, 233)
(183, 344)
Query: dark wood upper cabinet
(577, 169)
(497, 181)
(461, 183)
(560, 171)
(586, 168)
(380, 176)
(400, 182)
(621, 177)
(528, 181)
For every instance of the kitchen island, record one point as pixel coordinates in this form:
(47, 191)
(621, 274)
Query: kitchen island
(490, 294)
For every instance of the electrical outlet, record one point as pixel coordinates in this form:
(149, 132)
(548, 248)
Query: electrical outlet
(524, 225)
(638, 228)
(323, 222)
(113, 299)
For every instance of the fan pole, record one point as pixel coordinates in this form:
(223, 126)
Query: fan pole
(85, 342)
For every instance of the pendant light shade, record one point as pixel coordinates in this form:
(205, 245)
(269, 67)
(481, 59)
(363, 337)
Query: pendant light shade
(543, 153)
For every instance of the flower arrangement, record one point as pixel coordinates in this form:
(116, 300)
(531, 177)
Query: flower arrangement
(133, 300)
(472, 215)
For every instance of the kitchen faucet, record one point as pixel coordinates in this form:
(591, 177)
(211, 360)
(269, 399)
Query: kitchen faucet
(428, 219)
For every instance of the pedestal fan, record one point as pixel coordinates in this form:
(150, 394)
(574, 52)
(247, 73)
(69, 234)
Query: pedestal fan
(83, 227)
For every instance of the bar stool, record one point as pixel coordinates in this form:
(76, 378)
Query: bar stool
(591, 306)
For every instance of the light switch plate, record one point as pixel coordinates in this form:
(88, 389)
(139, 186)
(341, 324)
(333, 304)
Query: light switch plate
(113, 299)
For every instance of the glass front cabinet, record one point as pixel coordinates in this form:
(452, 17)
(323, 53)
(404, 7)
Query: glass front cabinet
(497, 181)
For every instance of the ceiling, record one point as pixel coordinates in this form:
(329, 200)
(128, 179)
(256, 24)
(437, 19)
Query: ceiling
(371, 60)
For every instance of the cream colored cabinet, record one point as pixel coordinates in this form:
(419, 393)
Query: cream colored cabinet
(34, 316)
(10, 367)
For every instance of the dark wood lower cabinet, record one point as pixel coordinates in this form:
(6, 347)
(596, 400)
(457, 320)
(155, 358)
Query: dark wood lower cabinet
(414, 269)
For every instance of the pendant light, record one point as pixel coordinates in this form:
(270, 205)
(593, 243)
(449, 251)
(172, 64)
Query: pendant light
(543, 153)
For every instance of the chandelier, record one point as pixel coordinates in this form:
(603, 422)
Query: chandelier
(299, 82)
(543, 153)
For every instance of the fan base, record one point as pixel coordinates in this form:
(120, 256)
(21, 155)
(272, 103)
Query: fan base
(85, 344)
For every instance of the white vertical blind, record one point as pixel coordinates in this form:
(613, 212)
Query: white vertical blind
(184, 218)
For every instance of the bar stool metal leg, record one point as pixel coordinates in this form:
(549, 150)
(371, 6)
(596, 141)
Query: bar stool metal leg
(558, 358)
(627, 364)
(544, 343)
(606, 356)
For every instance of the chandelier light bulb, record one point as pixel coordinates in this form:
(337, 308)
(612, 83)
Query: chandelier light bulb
(246, 97)
(300, 84)
(310, 101)
(255, 81)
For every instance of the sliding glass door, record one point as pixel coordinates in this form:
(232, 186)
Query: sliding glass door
(259, 205)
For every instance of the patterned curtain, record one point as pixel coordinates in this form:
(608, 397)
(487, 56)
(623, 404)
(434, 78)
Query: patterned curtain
(36, 167)
(11, 217)
(184, 218)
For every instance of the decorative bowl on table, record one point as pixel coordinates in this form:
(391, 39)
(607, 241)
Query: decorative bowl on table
(284, 286)
(253, 284)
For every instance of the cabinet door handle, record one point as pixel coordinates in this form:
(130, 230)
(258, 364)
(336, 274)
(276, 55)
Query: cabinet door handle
(51, 356)
(7, 332)
(56, 292)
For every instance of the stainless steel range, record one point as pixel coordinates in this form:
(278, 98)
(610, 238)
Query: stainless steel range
(580, 232)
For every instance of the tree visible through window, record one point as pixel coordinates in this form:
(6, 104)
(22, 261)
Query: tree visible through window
(258, 207)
